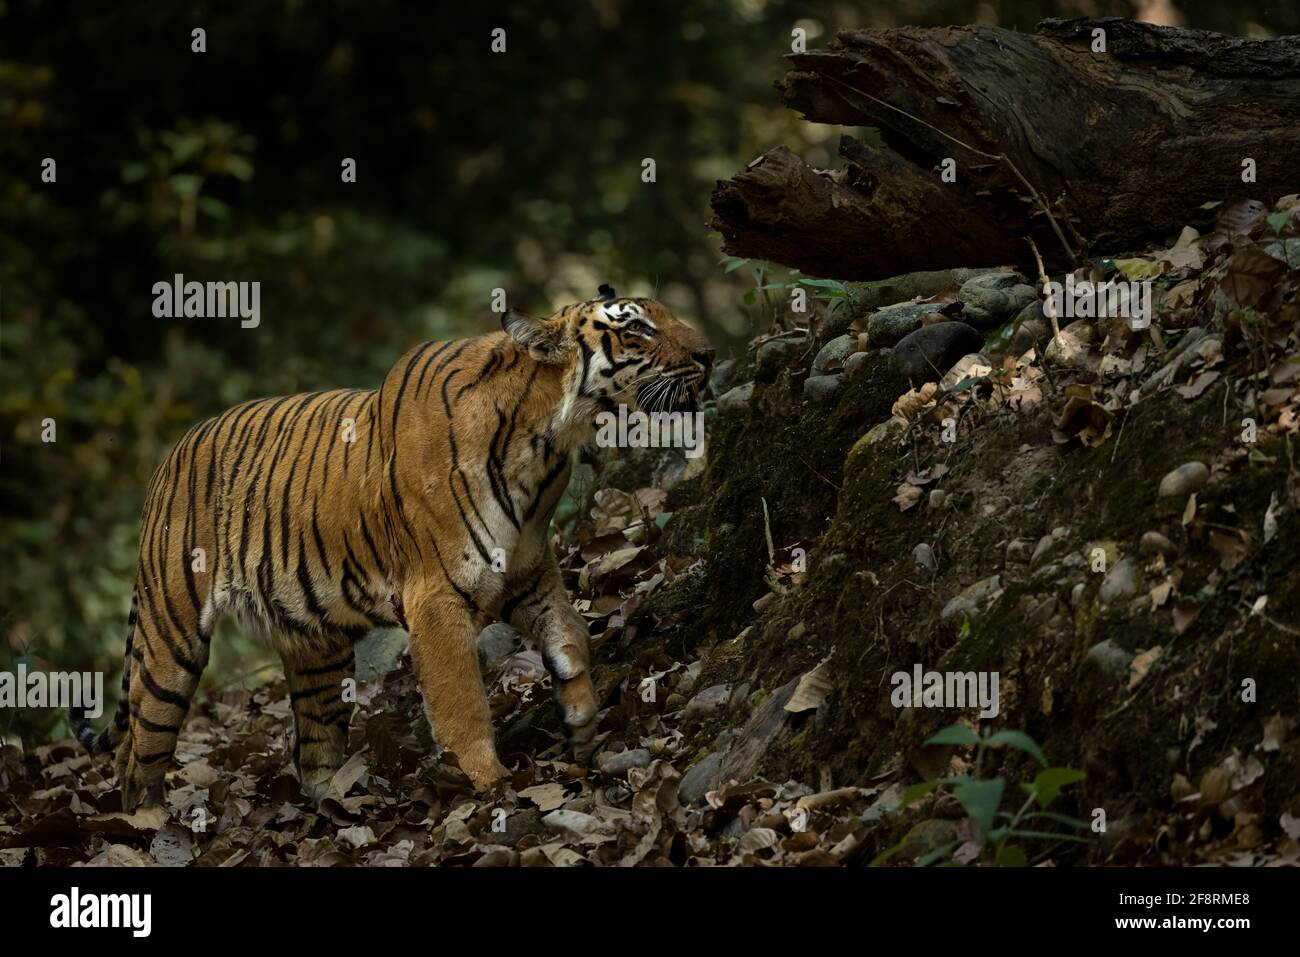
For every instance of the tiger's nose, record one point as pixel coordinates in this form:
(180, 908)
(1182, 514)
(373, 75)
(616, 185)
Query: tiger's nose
(704, 357)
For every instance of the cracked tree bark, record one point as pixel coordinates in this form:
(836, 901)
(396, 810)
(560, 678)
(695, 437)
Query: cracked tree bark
(1123, 147)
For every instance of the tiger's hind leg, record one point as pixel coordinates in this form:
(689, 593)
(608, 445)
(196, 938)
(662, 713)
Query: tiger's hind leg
(322, 709)
(165, 673)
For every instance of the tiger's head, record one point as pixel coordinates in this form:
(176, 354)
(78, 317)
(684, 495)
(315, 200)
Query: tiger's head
(632, 352)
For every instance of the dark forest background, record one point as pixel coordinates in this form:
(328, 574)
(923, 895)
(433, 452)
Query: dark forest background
(474, 170)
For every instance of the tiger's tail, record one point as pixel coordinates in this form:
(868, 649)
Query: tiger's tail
(107, 739)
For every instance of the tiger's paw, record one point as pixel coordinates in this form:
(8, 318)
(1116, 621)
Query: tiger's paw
(485, 775)
(314, 790)
(138, 789)
(578, 709)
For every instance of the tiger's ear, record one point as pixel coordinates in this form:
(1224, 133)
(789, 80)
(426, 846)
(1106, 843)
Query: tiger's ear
(546, 341)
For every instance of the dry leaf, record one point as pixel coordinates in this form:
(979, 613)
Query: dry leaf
(1197, 385)
(1186, 252)
(547, 797)
(1140, 665)
(1276, 729)
(812, 689)
(908, 495)
(1230, 548)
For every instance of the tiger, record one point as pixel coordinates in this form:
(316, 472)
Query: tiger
(422, 505)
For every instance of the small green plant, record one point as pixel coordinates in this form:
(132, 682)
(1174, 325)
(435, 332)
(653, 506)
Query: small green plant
(824, 289)
(1000, 834)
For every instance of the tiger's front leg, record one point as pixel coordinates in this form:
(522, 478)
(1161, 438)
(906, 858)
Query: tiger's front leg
(541, 608)
(446, 666)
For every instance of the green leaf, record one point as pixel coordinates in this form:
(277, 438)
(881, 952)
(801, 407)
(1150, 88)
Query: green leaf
(1047, 785)
(1278, 220)
(884, 856)
(965, 384)
(1012, 855)
(662, 518)
(925, 860)
(734, 265)
(1058, 818)
(1049, 836)
(239, 167)
(980, 799)
(1019, 740)
(916, 792)
(1285, 251)
(954, 734)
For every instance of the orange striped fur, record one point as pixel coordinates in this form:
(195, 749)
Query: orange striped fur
(424, 504)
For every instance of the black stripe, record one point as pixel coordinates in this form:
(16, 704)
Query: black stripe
(158, 728)
(161, 693)
(550, 478)
(325, 668)
(315, 692)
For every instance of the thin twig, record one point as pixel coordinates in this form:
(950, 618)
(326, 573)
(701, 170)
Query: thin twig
(1119, 439)
(767, 530)
(818, 474)
(1051, 301)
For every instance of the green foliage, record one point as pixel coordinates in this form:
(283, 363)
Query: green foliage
(762, 292)
(999, 835)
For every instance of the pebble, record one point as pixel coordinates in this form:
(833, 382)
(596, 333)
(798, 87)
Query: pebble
(723, 376)
(1120, 582)
(1019, 551)
(831, 357)
(1183, 481)
(923, 555)
(1110, 659)
(822, 388)
(775, 354)
(890, 324)
(711, 699)
(855, 363)
(927, 353)
(993, 298)
(1153, 543)
(737, 398)
(701, 778)
(496, 643)
(1049, 545)
(971, 601)
(618, 764)
(1032, 332)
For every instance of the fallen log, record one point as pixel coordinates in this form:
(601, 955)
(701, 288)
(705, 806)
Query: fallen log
(1074, 148)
